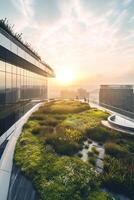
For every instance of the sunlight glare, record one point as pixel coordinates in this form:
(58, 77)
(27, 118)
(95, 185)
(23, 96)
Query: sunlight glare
(65, 76)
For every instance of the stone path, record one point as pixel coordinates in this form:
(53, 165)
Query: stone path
(99, 157)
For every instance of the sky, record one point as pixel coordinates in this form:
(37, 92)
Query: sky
(94, 39)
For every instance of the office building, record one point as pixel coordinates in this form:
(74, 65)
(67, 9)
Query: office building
(119, 98)
(23, 78)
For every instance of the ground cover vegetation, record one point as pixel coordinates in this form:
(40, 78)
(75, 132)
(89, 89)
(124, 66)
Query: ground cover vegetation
(48, 153)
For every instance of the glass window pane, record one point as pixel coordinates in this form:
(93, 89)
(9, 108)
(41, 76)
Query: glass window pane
(14, 48)
(2, 66)
(21, 53)
(5, 42)
(18, 70)
(14, 69)
(18, 85)
(8, 67)
(8, 88)
(8, 80)
(2, 87)
(13, 80)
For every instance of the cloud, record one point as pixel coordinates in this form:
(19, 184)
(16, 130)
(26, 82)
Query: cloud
(26, 11)
(127, 2)
(47, 11)
(100, 45)
(92, 37)
(24, 6)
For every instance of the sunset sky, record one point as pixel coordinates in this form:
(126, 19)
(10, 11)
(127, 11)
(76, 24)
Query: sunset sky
(91, 39)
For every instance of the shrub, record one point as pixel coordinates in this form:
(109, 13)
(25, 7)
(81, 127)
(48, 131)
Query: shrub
(71, 179)
(26, 126)
(115, 150)
(98, 195)
(49, 122)
(118, 175)
(90, 141)
(100, 143)
(90, 154)
(95, 151)
(73, 134)
(49, 149)
(37, 117)
(59, 117)
(65, 107)
(36, 130)
(99, 114)
(92, 160)
(80, 154)
(62, 145)
(130, 146)
(86, 146)
(102, 134)
(30, 124)
(42, 130)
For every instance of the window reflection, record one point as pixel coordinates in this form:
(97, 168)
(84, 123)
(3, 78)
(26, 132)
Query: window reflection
(5, 42)
(2, 87)
(14, 48)
(17, 88)
(2, 66)
(8, 68)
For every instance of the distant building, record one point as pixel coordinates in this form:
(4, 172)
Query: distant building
(70, 94)
(94, 96)
(82, 93)
(119, 98)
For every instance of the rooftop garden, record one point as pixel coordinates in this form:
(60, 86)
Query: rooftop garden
(48, 153)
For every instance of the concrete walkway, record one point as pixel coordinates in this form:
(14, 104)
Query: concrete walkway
(107, 124)
(6, 161)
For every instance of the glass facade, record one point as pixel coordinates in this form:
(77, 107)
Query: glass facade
(14, 48)
(17, 88)
(20, 86)
(119, 98)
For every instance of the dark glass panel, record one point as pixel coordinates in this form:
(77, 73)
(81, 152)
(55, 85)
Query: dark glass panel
(18, 85)
(14, 89)
(8, 88)
(2, 87)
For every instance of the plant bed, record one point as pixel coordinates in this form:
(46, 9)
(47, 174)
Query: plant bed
(47, 150)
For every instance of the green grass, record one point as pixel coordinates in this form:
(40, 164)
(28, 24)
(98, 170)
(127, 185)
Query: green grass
(50, 140)
(64, 107)
(54, 177)
(102, 134)
(100, 196)
(118, 175)
(116, 150)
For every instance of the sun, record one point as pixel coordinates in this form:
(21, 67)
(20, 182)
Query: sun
(65, 76)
